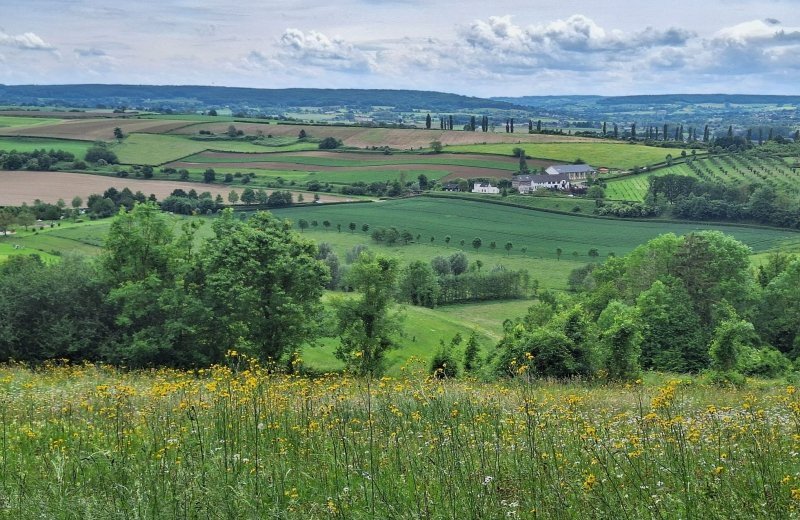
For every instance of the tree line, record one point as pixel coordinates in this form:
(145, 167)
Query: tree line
(681, 304)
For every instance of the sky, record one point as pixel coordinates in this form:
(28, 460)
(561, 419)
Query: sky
(472, 47)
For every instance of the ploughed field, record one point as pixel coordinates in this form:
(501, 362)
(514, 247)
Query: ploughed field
(17, 187)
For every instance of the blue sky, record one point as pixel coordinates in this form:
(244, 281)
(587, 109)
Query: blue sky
(481, 48)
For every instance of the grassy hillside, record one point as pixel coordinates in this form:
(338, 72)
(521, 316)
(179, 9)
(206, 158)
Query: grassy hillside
(610, 155)
(29, 144)
(541, 233)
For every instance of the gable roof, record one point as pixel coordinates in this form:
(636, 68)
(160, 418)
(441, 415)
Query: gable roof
(539, 179)
(572, 168)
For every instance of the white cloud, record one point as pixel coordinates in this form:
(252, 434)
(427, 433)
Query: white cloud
(25, 41)
(317, 50)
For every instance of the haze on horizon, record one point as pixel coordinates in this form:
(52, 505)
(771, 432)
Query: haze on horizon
(467, 47)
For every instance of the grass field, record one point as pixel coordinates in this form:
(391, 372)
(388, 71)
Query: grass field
(424, 328)
(541, 233)
(29, 144)
(14, 121)
(397, 138)
(159, 149)
(240, 441)
(356, 159)
(597, 154)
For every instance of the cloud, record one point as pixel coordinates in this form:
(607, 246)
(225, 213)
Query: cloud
(91, 52)
(25, 41)
(753, 47)
(576, 43)
(317, 50)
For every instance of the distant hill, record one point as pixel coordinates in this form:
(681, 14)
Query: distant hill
(549, 101)
(201, 97)
(658, 99)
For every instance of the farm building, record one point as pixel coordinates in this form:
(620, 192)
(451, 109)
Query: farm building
(530, 183)
(482, 187)
(574, 172)
(451, 186)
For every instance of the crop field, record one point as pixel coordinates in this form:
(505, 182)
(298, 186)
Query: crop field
(398, 138)
(17, 187)
(357, 159)
(243, 441)
(160, 149)
(349, 167)
(14, 121)
(739, 169)
(597, 154)
(92, 129)
(29, 144)
(540, 233)
(630, 188)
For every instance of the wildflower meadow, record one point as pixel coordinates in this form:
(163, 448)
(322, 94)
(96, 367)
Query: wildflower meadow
(240, 440)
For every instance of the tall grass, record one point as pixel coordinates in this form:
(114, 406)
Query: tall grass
(240, 441)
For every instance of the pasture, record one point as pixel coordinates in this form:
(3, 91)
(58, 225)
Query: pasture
(152, 149)
(29, 144)
(15, 121)
(540, 233)
(245, 442)
(594, 152)
(349, 167)
(397, 138)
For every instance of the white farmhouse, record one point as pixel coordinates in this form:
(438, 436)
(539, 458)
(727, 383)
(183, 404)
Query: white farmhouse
(529, 183)
(482, 187)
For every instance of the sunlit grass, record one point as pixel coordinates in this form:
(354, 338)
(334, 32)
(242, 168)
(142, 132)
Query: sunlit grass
(241, 441)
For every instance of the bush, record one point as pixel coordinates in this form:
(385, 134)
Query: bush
(330, 143)
(444, 364)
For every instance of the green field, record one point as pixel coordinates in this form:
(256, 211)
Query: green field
(610, 155)
(423, 329)
(156, 149)
(541, 233)
(29, 144)
(737, 169)
(12, 121)
(369, 159)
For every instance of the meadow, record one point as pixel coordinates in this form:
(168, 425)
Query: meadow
(29, 144)
(598, 154)
(241, 441)
(13, 121)
(539, 232)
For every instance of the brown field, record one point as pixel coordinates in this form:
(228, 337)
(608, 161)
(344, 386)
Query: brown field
(94, 129)
(361, 137)
(17, 187)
